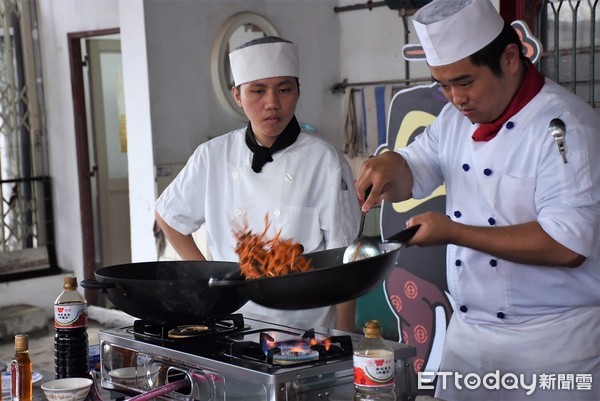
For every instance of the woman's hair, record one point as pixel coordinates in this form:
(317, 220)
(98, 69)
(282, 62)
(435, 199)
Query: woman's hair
(490, 55)
(262, 40)
(239, 87)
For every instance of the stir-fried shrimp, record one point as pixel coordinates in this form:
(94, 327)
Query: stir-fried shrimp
(263, 257)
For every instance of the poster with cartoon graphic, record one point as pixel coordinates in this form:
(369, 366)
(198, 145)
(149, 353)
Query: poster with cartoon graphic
(415, 290)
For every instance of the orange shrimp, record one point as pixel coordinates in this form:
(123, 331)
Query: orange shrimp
(262, 257)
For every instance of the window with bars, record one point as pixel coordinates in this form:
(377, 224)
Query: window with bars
(569, 31)
(26, 227)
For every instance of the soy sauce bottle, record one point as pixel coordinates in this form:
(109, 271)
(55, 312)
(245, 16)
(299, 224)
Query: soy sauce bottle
(70, 332)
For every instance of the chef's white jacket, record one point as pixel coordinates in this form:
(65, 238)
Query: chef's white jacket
(307, 192)
(519, 176)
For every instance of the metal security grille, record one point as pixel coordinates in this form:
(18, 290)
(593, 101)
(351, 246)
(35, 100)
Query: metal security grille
(25, 206)
(570, 33)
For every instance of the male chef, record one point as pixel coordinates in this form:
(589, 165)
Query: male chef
(519, 155)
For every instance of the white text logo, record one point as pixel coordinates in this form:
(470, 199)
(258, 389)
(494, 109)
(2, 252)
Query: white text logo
(508, 381)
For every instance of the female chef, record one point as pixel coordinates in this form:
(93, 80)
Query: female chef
(268, 167)
(522, 212)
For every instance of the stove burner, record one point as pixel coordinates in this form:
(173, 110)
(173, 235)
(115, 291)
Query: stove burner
(289, 352)
(293, 356)
(188, 331)
(302, 349)
(167, 333)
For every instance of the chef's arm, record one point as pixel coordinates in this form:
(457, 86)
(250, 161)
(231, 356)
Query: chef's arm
(345, 316)
(184, 245)
(390, 177)
(525, 243)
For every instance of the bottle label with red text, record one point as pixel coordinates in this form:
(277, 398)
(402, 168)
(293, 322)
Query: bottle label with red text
(70, 316)
(374, 371)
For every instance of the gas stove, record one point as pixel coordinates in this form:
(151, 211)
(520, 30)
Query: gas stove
(238, 358)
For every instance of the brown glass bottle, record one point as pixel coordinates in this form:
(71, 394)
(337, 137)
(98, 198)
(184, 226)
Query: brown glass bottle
(20, 371)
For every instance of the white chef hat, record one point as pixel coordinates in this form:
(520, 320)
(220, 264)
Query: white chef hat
(264, 58)
(451, 30)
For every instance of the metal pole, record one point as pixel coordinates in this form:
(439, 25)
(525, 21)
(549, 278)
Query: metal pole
(24, 141)
(368, 5)
(574, 46)
(556, 12)
(592, 51)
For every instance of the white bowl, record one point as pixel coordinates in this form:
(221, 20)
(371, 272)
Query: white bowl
(132, 376)
(69, 389)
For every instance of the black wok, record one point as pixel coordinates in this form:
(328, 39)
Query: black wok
(169, 292)
(329, 283)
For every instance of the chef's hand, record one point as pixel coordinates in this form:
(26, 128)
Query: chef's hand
(389, 176)
(525, 243)
(436, 229)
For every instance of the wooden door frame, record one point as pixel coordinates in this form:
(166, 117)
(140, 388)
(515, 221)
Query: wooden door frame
(76, 63)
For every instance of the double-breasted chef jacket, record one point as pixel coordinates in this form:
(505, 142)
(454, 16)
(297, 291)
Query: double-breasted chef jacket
(512, 316)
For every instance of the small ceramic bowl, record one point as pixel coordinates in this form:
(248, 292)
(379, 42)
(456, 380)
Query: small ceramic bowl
(69, 389)
(131, 376)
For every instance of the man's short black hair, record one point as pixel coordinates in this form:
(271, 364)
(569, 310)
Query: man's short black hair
(490, 55)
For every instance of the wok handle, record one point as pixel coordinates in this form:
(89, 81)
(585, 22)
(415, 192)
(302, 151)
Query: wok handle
(404, 235)
(96, 285)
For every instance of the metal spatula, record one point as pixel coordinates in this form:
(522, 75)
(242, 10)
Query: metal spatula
(362, 247)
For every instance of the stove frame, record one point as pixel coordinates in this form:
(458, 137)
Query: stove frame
(220, 377)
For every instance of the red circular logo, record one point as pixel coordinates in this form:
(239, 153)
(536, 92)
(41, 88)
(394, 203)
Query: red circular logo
(411, 290)
(419, 362)
(396, 302)
(420, 333)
